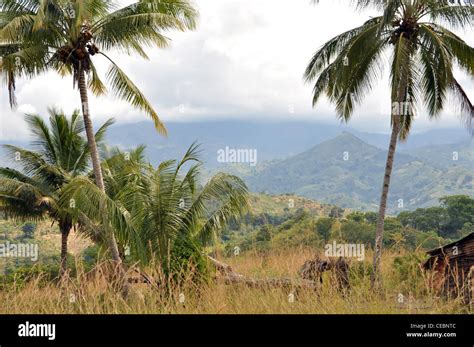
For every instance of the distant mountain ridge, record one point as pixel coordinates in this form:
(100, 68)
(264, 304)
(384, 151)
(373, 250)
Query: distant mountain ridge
(273, 140)
(347, 172)
(425, 166)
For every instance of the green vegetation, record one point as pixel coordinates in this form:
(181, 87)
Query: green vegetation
(60, 153)
(423, 229)
(453, 219)
(66, 36)
(158, 214)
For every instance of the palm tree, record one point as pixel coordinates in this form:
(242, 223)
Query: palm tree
(423, 55)
(155, 209)
(65, 35)
(60, 152)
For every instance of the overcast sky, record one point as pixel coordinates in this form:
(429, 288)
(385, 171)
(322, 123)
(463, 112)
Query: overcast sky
(245, 60)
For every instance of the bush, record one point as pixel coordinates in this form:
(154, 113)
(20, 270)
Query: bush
(323, 227)
(354, 232)
(91, 256)
(20, 276)
(408, 272)
(360, 271)
(265, 233)
(187, 259)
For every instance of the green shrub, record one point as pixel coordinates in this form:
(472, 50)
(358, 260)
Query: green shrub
(187, 259)
(408, 272)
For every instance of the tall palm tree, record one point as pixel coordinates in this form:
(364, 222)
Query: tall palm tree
(153, 209)
(423, 55)
(67, 35)
(31, 190)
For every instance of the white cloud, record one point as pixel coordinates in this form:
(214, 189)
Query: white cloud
(245, 60)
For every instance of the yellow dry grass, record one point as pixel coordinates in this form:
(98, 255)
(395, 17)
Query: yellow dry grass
(94, 294)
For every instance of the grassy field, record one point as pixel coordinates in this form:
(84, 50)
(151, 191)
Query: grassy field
(405, 291)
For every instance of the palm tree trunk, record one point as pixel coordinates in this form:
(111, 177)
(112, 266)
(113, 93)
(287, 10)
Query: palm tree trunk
(397, 111)
(376, 279)
(99, 180)
(65, 230)
(112, 243)
(399, 108)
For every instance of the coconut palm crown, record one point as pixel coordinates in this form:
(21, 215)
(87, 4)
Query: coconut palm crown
(68, 36)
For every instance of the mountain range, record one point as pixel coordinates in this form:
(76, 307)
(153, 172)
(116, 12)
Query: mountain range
(331, 164)
(348, 172)
(273, 140)
(428, 165)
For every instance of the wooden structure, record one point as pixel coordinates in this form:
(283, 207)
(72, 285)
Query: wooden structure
(452, 265)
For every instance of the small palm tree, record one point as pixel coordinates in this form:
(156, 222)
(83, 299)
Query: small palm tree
(153, 209)
(31, 191)
(67, 35)
(423, 56)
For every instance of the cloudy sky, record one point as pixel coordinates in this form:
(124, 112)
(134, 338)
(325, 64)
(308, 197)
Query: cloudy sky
(245, 60)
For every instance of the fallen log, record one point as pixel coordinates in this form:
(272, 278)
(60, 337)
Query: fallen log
(231, 277)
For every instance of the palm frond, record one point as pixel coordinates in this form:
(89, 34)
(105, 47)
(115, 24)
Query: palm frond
(465, 105)
(125, 89)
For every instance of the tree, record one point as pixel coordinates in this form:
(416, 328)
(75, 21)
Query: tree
(423, 55)
(356, 216)
(323, 227)
(336, 212)
(65, 36)
(425, 219)
(157, 211)
(355, 232)
(371, 217)
(60, 153)
(264, 234)
(460, 210)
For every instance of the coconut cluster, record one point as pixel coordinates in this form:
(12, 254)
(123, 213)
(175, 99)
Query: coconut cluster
(408, 27)
(79, 52)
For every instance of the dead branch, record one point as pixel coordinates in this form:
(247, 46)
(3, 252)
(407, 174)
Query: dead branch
(231, 277)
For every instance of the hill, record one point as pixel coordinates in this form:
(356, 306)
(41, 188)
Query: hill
(447, 155)
(279, 204)
(424, 167)
(348, 172)
(273, 140)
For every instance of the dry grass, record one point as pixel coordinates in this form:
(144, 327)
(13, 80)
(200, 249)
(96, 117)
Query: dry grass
(94, 294)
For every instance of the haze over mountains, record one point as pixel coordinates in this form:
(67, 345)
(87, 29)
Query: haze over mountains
(307, 159)
(331, 164)
(273, 140)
